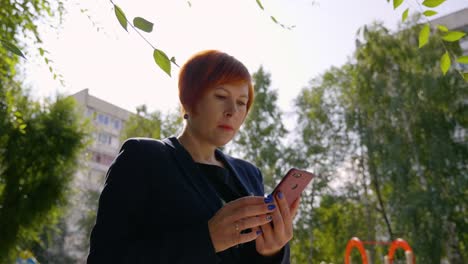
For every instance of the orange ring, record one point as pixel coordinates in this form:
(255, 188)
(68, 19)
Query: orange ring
(355, 243)
(399, 243)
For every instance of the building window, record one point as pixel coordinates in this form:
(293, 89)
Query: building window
(116, 123)
(103, 119)
(90, 112)
(102, 158)
(104, 138)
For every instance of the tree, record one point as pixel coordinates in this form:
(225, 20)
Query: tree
(172, 123)
(143, 124)
(412, 155)
(324, 145)
(152, 125)
(50, 248)
(259, 140)
(401, 117)
(39, 143)
(37, 165)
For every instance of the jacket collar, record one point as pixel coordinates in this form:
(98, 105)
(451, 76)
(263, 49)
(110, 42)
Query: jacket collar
(198, 181)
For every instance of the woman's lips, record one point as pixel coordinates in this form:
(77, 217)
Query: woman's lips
(226, 127)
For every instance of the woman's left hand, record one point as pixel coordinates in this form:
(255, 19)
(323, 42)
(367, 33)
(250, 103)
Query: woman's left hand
(280, 230)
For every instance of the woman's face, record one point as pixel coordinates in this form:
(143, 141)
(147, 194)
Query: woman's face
(219, 114)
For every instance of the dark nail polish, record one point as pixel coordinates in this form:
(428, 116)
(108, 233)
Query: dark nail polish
(269, 217)
(280, 195)
(259, 232)
(271, 207)
(268, 199)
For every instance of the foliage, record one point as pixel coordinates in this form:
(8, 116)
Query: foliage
(324, 144)
(143, 124)
(425, 31)
(36, 167)
(409, 116)
(39, 143)
(50, 248)
(337, 219)
(87, 221)
(259, 140)
(402, 120)
(171, 124)
(152, 125)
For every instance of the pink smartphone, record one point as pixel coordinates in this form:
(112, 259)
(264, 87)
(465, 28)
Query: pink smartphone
(293, 183)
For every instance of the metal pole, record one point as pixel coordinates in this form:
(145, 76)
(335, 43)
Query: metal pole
(409, 257)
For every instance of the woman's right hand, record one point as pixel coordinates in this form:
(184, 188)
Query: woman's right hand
(247, 212)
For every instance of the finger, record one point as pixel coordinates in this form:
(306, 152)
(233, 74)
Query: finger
(247, 237)
(267, 232)
(244, 201)
(254, 222)
(283, 208)
(249, 211)
(278, 223)
(260, 241)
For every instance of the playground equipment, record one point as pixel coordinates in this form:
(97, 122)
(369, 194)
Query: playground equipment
(388, 259)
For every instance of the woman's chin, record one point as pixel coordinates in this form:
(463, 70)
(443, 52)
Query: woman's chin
(222, 140)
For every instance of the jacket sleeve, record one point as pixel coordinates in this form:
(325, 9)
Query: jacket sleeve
(119, 235)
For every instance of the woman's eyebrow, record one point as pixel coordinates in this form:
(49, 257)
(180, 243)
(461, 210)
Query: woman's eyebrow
(229, 92)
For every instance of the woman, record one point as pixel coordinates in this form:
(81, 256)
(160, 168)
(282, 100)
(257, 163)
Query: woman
(181, 200)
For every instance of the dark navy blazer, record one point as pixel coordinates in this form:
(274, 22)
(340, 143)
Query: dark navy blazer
(155, 207)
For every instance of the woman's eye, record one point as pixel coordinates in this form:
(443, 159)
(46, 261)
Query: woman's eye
(220, 96)
(241, 103)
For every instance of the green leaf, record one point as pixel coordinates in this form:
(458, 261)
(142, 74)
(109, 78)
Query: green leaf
(260, 5)
(21, 128)
(453, 36)
(424, 35)
(432, 3)
(274, 19)
(162, 61)
(12, 48)
(41, 51)
(173, 60)
(442, 28)
(397, 3)
(143, 24)
(404, 16)
(445, 63)
(121, 17)
(465, 76)
(429, 13)
(463, 59)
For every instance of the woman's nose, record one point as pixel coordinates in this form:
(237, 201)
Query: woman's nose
(231, 108)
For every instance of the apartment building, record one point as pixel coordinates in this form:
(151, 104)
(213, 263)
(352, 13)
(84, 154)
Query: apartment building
(108, 122)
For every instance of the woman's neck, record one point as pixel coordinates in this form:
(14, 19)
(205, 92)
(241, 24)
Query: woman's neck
(198, 149)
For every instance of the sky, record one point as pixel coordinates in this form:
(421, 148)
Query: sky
(91, 50)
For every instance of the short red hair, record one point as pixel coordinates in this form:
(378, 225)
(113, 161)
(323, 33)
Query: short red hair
(207, 70)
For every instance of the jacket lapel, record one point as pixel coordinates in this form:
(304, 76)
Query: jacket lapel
(235, 172)
(193, 175)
